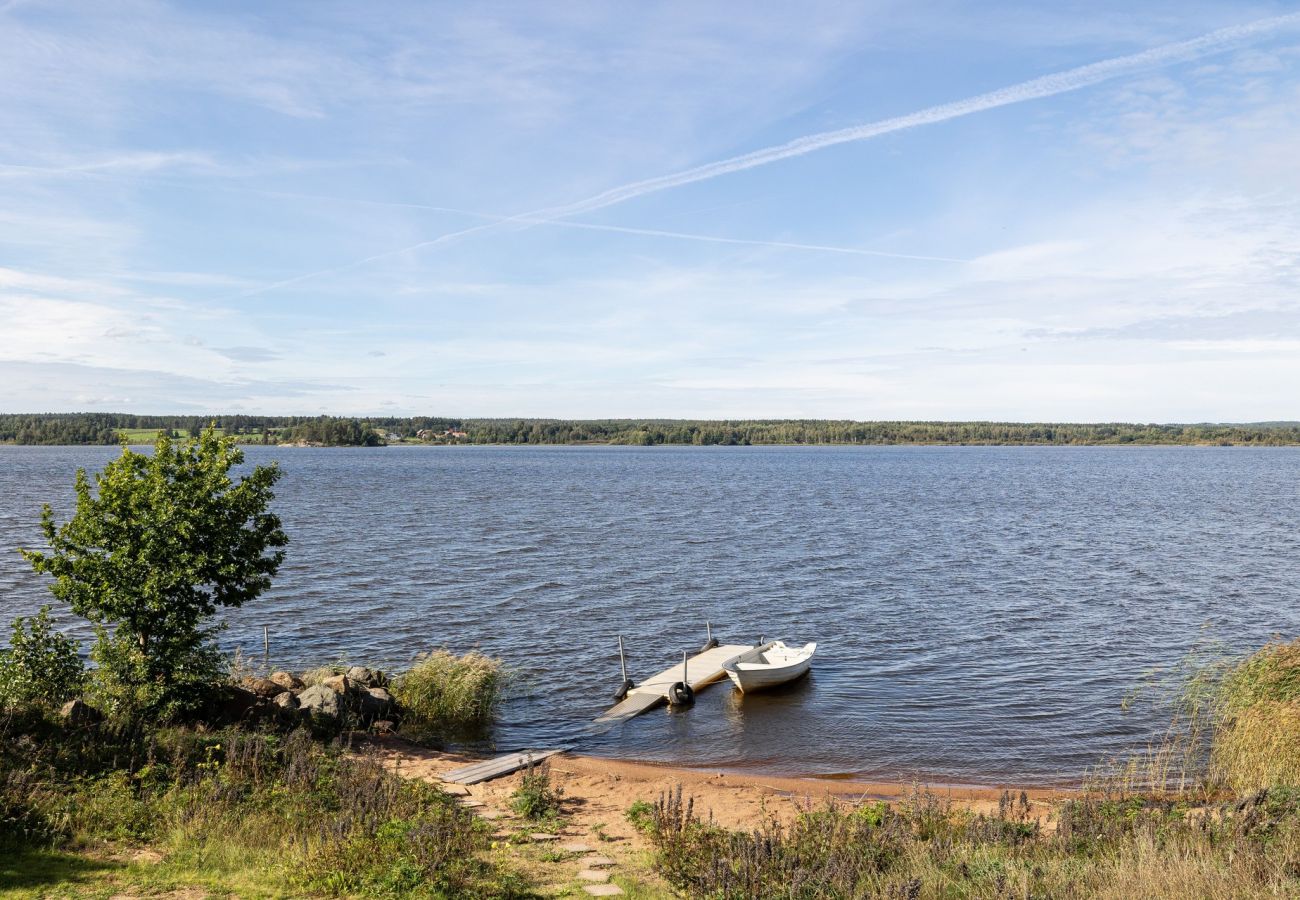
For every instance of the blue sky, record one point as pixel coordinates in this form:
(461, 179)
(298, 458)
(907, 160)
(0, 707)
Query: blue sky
(254, 207)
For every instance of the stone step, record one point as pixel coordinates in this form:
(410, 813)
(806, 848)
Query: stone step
(541, 836)
(593, 875)
(598, 862)
(575, 847)
(603, 890)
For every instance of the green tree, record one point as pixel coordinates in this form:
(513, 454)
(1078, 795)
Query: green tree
(151, 554)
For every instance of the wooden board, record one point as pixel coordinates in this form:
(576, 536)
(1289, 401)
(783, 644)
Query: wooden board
(702, 668)
(498, 766)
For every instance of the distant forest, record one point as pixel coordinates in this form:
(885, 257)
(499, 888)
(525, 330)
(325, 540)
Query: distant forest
(111, 428)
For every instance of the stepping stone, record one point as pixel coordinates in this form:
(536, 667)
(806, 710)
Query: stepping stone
(456, 790)
(490, 814)
(575, 848)
(540, 836)
(603, 890)
(470, 804)
(593, 875)
(599, 862)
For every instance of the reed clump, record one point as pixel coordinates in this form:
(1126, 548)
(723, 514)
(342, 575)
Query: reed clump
(1257, 710)
(443, 691)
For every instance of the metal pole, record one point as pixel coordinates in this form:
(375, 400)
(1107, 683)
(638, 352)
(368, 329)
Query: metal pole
(709, 631)
(622, 661)
(266, 646)
(686, 681)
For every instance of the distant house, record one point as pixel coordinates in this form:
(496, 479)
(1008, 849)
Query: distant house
(452, 433)
(425, 434)
(392, 437)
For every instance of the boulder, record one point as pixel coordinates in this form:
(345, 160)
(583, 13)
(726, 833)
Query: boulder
(264, 687)
(339, 684)
(320, 700)
(285, 700)
(374, 703)
(383, 726)
(361, 675)
(77, 714)
(234, 704)
(288, 681)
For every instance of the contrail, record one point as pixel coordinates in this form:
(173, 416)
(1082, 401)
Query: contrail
(496, 220)
(1035, 89)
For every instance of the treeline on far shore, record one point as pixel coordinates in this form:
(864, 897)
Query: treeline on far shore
(112, 428)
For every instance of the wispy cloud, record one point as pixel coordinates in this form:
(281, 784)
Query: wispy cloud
(1217, 41)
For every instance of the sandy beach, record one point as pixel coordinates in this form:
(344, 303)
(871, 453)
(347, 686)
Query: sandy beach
(599, 790)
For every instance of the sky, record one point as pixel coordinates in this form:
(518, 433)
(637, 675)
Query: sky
(875, 210)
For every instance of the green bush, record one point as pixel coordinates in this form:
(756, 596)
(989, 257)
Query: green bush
(41, 666)
(444, 692)
(536, 797)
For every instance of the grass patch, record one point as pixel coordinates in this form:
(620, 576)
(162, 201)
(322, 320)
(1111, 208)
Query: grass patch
(443, 692)
(237, 812)
(1136, 847)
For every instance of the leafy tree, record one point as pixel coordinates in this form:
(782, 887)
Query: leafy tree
(41, 665)
(150, 556)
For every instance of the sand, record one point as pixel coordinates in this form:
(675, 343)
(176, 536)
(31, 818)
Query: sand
(598, 791)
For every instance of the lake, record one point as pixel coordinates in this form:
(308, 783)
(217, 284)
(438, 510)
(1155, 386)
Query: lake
(981, 611)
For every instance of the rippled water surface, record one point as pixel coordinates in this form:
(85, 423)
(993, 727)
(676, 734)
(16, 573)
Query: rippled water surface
(980, 611)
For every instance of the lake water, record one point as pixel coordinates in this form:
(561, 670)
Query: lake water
(980, 611)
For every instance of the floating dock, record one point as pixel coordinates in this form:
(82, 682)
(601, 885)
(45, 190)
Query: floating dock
(703, 669)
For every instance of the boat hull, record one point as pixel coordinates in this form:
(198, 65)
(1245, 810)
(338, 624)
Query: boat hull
(769, 665)
(760, 679)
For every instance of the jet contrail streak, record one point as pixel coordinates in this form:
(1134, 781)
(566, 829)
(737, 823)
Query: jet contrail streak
(1034, 89)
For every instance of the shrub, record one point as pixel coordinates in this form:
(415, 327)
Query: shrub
(536, 797)
(41, 666)
(642, 815)
(445, 692)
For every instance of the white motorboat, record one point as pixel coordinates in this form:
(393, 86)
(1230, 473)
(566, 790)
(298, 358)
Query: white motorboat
(768, 665)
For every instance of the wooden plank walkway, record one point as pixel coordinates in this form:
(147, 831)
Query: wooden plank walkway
(703, 669)
(498, 766)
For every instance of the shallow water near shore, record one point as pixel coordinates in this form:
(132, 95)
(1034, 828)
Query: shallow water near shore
(981, 611)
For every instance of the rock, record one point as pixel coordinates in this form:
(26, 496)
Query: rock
(285, 700)
(593, 875)
(576, 847)
(288, 681)
(383, 726)
(234, 703)
(598, 862)
(339, 684)
(374, 703)
(320, 700)
(603, 890)
(361, 675)
(78, 714)
(263, 687)
(542, 837)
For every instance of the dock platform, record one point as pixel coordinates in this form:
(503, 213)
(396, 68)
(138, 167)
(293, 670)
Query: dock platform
(703, 669)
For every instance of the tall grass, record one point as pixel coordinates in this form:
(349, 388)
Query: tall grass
(246, 812)
(926, 849)
(1257, 711)
(443, 692)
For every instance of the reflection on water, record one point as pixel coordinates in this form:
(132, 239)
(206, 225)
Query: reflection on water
(979, 611)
